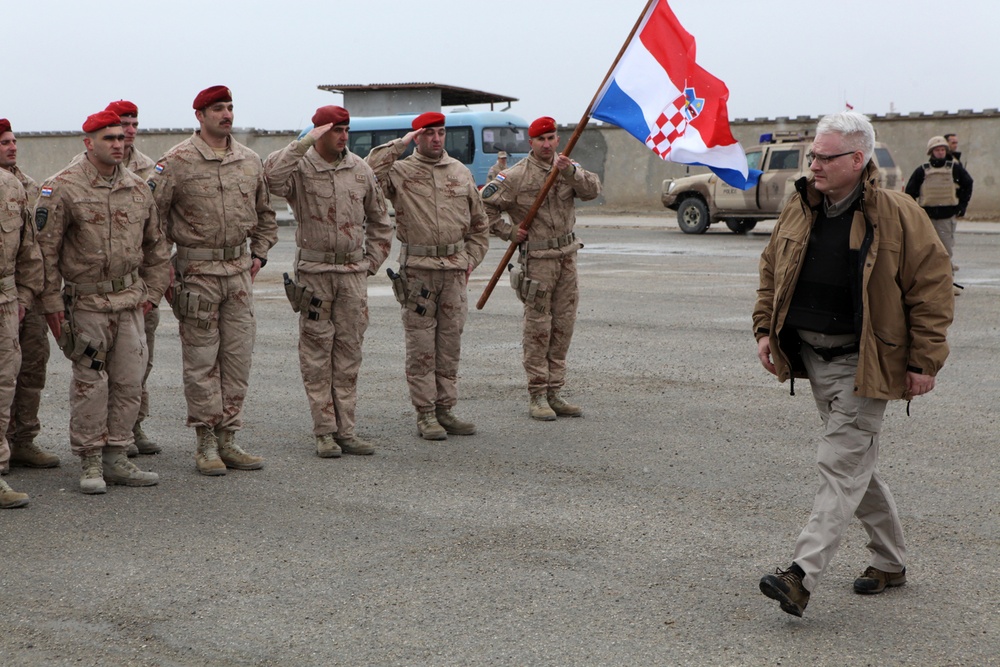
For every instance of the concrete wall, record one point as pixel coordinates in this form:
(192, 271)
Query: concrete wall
(631, 173)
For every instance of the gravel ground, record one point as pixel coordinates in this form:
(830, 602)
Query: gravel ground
(632, 536)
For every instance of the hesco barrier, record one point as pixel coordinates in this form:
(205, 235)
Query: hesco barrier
(631, 174)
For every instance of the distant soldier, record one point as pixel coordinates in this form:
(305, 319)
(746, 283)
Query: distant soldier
(142, 166)
(943, 188)
(546, 278)
(500, 165)
(212, 198)
(343, 236)
(953, 151)
(105, 264)
(21, 277)
(34, 341)
(443, 230)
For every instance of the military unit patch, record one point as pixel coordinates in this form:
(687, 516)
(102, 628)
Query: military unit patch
(489, 191)
(41, 216)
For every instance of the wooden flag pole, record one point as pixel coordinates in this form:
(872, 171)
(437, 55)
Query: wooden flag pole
(553, 173)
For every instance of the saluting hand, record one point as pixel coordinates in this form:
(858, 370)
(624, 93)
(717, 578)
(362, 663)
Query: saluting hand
(318, 132)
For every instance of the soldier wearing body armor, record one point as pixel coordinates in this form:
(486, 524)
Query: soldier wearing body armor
(213, 199)
(546, 278)
(443, 230)
(943, 188)
(34, 341)
(343, 236)
(105, 266)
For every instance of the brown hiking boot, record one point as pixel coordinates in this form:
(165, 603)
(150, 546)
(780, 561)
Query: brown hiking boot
(143, 445)
(234, 456)
(9, 498)
(539, 409)
(452, 424)
(355, 445)
(119, 470)
(327, 447)
(92, 479)
(875, 581)
(429, 428)
(786, 587)
(206, 455)
(30, 455)
(561, 407)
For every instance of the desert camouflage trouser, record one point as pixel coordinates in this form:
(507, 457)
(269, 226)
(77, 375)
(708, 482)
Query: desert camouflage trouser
(434, 344)
(34, 338)
(547, 335)
(151, 321)
(330, 350)
(10, 362)
(103, 403)
(217, 358)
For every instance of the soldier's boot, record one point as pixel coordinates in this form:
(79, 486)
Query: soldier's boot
(30, 455)
(206, 455)
(233, 455)
(561, 407)
(119, 470)
(355, 445)
(452, 424)
(92, 479)
(539, 409)
(143, 444)
(429, 428)
(327, 447)
(132, 451)
(9, 498)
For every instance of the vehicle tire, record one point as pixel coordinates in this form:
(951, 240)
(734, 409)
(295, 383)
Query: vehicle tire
(741, 226)
(692, 216)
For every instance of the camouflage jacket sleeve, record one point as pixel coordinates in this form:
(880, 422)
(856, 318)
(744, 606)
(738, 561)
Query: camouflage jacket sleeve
(381, 158)
(498, 196)
(477, 239)
(51, 220)
(280, 167)
(265, 234)
(378, 227)
(155, 269)
(29, 273)
(162, 183)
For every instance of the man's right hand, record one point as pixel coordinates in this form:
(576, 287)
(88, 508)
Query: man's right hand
(318, 132)
(764, 354)
(409, 136)
(55, 321)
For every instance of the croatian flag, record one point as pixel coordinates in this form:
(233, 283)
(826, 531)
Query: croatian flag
(660, 96)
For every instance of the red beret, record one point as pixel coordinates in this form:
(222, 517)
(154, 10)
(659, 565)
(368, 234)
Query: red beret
(101, 120)
(5, 126)
(123, 108)
(210, 96)
(429, 119)
(331, 114)
(541, 126)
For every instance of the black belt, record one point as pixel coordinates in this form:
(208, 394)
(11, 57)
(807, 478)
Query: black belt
(831, 353)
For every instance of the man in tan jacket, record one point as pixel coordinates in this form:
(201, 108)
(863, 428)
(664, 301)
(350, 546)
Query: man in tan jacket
(546, 278)
(213, 198)
(105, 266)
(343, 236)
(443, 230)
(21, 279)
(855, 295)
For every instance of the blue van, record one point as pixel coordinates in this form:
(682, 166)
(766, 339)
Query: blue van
(471, 137)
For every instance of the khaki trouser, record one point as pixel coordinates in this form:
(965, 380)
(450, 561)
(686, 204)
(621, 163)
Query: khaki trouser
(217, 361)
(434, 344)
(10, 362)
(330, 350)
(103, 404)
(151, 322)
(547, 335)
(945, 229)
(850, 483)
(35, 350)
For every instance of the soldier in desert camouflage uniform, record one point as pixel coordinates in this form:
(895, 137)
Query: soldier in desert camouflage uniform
(343, 236)
(101, 242)
(443, 230)
(212, 199)
(34, 340)
(546, 279)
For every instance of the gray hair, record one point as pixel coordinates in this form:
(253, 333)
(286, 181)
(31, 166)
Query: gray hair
(856, 129)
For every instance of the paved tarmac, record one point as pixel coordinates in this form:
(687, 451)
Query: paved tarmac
(634, 535)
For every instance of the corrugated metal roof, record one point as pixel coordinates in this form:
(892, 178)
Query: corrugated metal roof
(450, 95)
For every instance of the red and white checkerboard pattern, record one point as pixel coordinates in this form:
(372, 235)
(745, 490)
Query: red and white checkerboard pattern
(670, 125)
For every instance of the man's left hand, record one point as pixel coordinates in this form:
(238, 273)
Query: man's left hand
(563, 162)
(917, 384)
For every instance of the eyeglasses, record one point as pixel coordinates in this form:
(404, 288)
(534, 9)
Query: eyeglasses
(826, 159)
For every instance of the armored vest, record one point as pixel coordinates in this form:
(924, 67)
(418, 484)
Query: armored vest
(939, 188)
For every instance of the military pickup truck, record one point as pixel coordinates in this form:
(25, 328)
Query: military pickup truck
(705, 199)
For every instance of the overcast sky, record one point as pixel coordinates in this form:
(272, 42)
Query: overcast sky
(65, 59)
